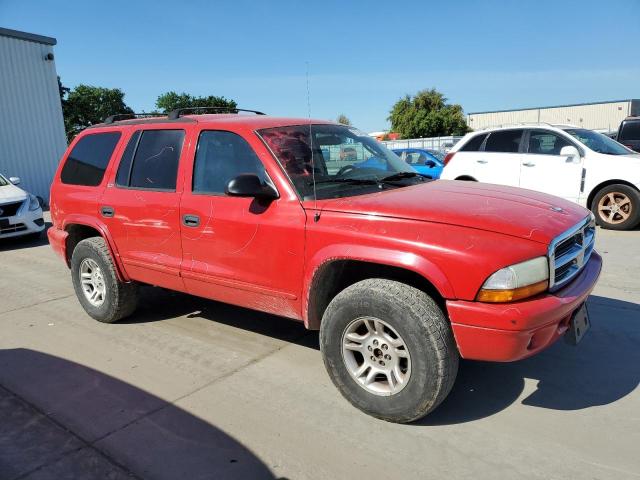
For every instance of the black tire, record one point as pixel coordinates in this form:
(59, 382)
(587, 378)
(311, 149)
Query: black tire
(427, 335)
(632, 208)
(121, 298)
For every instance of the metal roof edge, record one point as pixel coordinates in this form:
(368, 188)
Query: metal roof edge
(556, 106)
(29, 37)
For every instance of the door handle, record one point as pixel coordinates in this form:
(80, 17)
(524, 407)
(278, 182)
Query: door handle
(482, 161)
(190, 220)
(529, 164)
(107, 211)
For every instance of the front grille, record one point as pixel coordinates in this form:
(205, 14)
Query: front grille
(18, 227)
(9, 209)
(570, 252)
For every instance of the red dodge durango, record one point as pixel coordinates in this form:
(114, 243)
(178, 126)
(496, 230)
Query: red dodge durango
(401, 274)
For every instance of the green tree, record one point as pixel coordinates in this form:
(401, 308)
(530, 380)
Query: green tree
(344, 120)
(172, 100)
(86, 105)
(427, 114)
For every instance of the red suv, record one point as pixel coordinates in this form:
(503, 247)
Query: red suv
(402, 275)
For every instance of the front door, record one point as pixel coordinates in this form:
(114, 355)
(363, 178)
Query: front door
(142, 207)
(545, 170)
(237, 250)
(499, 161)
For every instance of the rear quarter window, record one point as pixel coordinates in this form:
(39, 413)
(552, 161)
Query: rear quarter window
(89, 158)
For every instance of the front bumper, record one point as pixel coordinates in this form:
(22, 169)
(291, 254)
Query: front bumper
(24, 223)
(504, 332)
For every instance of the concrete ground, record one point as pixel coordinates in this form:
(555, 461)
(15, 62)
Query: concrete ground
(190, 388)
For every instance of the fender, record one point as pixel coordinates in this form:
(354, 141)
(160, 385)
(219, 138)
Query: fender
(93, 222)
(392, 258)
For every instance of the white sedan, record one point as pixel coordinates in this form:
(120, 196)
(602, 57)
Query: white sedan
(20, 212)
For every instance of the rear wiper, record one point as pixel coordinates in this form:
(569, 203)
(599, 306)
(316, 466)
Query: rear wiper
(401, 175)
(352, 181)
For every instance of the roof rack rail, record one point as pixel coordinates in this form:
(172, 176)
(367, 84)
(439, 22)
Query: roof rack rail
(128, 116)
(178, 112)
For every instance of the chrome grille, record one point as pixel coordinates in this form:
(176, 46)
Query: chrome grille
(18, 227)
(570, 252)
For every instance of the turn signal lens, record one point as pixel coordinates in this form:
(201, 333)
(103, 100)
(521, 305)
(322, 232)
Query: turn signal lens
(501, 296)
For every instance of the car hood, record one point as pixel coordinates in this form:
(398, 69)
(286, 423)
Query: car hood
(11, 193)
(495, 208)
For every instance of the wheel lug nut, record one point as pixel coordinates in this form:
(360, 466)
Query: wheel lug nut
(375, 342)
(381, 363)
(385, 346)
(370, 349)
(387, 357)
(373, 358)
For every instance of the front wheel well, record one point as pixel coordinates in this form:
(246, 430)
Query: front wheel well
(77, 233)
(334, 276)
(599, 187)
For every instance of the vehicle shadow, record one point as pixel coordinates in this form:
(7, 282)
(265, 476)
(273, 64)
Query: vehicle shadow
(26, 241)
(600, 370)
(96, 426)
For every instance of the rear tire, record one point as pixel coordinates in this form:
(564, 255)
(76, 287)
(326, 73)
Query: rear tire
(407, 324)
(103, 296)
(617, 207)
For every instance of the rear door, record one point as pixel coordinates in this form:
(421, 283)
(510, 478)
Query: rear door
(141, 206)
(499, 159)
(545, 170)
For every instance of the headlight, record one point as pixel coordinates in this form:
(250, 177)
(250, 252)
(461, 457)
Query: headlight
(516, 282)
(34, 204)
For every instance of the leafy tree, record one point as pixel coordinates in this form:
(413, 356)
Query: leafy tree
(427, 114)
(344, 120)
(172, 100)
(86, 105)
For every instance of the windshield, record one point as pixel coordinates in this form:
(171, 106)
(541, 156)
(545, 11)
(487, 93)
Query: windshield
(344, 162)
(598, 142)
(3, 181)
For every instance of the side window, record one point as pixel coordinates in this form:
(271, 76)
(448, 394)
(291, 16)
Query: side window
(546, 143)
(630, 131)
(220, 157)
(503, 141)
(124, 169)
(474, 144)
(89, 158)
(155, 161)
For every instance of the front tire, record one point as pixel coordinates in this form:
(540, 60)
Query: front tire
(617, 207)
(103, 296)
(389, 349)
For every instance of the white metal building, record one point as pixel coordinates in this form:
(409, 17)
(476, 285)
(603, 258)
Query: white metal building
(32, 136)
(601, 116)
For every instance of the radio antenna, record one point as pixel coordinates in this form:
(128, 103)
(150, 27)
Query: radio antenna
(316, 215)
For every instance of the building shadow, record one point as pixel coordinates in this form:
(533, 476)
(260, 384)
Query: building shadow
(64, 420)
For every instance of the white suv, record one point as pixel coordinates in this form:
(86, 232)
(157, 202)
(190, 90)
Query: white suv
(574, 163)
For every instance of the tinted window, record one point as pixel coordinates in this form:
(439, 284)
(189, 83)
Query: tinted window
(546, 143)
(124, 170)
(630, 131)
(155, 165)
(503, 141)
(474, 144)
(89, 159)
(222, 156)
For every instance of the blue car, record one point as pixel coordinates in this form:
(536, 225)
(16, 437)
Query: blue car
(427, 162)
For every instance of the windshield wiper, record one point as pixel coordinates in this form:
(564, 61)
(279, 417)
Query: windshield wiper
(401, 175)
(352, 181)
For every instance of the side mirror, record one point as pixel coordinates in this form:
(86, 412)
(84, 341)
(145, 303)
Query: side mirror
(430, 163)
(250, 185)
(570, 152)
(15, 180)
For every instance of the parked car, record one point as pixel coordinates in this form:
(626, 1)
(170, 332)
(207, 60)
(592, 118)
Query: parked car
(402, 275)
(629, 133)
(427, 162)
(20, 212)
(579, 165)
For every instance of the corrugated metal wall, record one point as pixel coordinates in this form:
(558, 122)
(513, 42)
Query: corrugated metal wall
(431, 143)
(596, 116)
(32, 137)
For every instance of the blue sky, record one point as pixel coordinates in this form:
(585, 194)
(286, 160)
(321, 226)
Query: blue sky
(362, 56)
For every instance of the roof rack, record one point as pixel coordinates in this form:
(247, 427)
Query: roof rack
(128, 116)
(520, 124)
(178, 112)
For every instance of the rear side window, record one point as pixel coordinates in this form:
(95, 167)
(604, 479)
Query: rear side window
(151, 159)
(503, 141)
(222, 156)
(546, 143)
(630, 131)
(474, 144)
(89, 158)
